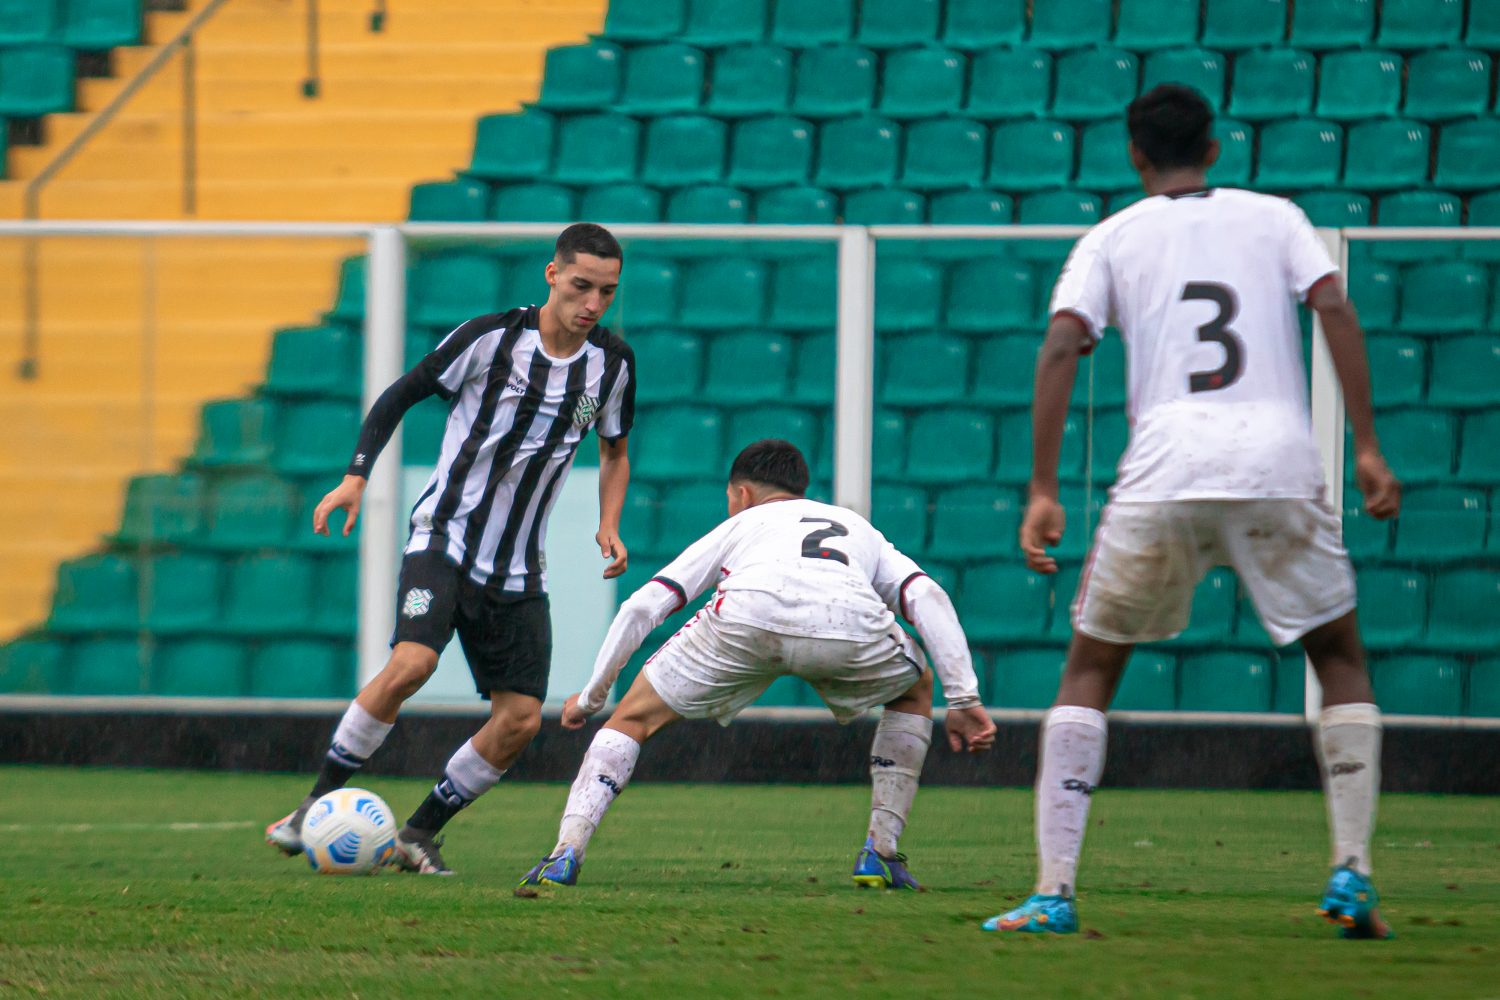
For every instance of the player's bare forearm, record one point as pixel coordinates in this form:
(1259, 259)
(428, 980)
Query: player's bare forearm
(1056, 370)
(614, 479)
(1346, 346)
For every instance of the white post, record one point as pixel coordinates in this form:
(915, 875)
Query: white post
(1328, 428)
(854, 410)
(379, 538)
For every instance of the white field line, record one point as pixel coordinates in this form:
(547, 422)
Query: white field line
(236, 824)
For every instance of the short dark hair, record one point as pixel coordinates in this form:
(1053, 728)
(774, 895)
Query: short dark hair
(771, 462)
(586, 237)
(1171, 125)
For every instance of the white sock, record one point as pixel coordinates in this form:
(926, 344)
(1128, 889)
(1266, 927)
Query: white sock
(1349, 753)
(359, 734)
(1073, 743)
(896, 756)
(605, 771)
(470, 774)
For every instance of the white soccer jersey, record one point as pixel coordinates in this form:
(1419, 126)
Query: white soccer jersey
(797, 567)
(1203, 287)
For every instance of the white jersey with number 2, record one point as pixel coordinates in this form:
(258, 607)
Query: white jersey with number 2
(1203, 287)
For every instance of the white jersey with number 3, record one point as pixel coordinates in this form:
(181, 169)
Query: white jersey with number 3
(1203, 287)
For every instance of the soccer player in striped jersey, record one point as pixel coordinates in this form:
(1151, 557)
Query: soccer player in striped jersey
(524, 387)
(1221, 468)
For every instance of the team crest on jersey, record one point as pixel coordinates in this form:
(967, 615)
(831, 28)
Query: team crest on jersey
(418, 602)
(585, 411)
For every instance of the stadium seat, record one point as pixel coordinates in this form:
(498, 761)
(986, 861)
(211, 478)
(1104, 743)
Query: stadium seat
(268, 594)
(1301, 153)
(1465, 371)
(650, 297)
(25, 21)
(1445, 296)
(1480, 459)
(950, 446)
(1014, 439)
(1236, 148)
(1416, 208)
(1070, 24)
(908, 294)
(639, 521)
(513, 146)
(1009, 83)
(315, 438)
(921, 83)
(811, 24)
(1156, 24)
(1149, 683)
(533, 203)
(804, 293)
(581, 77)
(709, 204)
(771, 152)
(302, 668)
(96, 593)
(1105, 365)
(941, 377)
(944, 153)
(1420, 24)
(1238, 24)
(179, 593)
(664, 349)
(725, 22)
(1484, 688)
(349, 300)
(833, 81)
(95, 25)
(900, 513)
(812, 382)
(1104, 160)
(885, 207)
(1484, 210)
(35, 80)
(162, 510)
(1003, 601)
(115, 666)
(662, 79)
(659, 452)
(33, 665)
(971, 208)
(1031, 155)
(1203, 70)
(1447, 83)
(1110, 434)
(1418, 442)
(200, 668)
(858, 152)
(1392, 606)
(1062, 208)
(1081, 506)
(999, 367)
(1272, 83)
(1361, 83)
(1213, 610)
(1418, 685)
(683, 149)
(525, 284)
(447, 289)
(691, 510)
(1442, 522)
(234, 432)
(726, 292)
(971, 25)
(894, 24)
(1398, 369)
(337, 612)
(1373, 287)
(596, 149)
(644, 20)
(421, 438)
(1333, 24)
(796, 206)
(1094, 83)
(1364, 537)
(617, 203)
(1226, 682)
(1335, 209)
(750, 80)
(1483, 31)
(791, 423)
(1027, 678)
(748, 367)
(1469, 155)
(251, 512)
(1465, 609)
(449, 201)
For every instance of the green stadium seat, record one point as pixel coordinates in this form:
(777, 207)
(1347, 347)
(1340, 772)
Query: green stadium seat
(447, 289)
(1484, 688)
(33, 665)
(1226, 682)
(1111, 433)
(200, 668)
(1203, 70)
(1272, 83)
(1416, 208)
(1236, 153)
(1465, 610)
(659, 452)
(581, 77)
(1149, 684)
(94, 25)
(315, 361)
(650, 296)
(1094, 83)
(1156, 24)
(900, 513)
(812, 381)
(750, 80)
(804, 294)
(1243, 24)
(1063, 208)
(1015, 447)
(885, 207)
(944, 153)
(797, 205)
(234, 432)
(771, 152)
(640, 519)
(1301, 153)
(1419, 443)
(691, 510)
(971, 208)
(1447, 83)
(1439, 523)
(972, 25)
(513, 146)
(1333, 24)
(644, 20)
(1364, 537)
(421, 438)
(1469, 155)
(1374, 287)
(1398, 369)
(908, 294)
(302, 668)
(1335, 209)
(111, 667)
(1480, 459)
(96, 593)
(748, 367)
(1212, 613)
(1031, 155)
(1387, 154)
(1392, 606)
(413, 453)
(808, 25)
(316, 438)
(1465, 371)
(533, 203)
(950, 446)
(269, 594)
(683, 149)
(724, 293)
(596, 149)
(1290, 683)
(1107, 365)
(665, 349)
(709, 204)
(940, 378)
(921, 83)
(252, 512)
(1118, 201)
(179, 593)
(858, 152)
(889, 445)
(1483, 31)
(1361, 83)
(1027, 678)
(1445, 296)
(790, 423)
(1418, 685)
(974, 522)
(617, 203)
(833, 81)
(162, 510)
(1003, 602)
(893, 24)
(25, 21)
(1420, 24)
(35, 80)
(1009, 83)
(713, 23)
(349, 301)
(662, 79)
(1484, 210)
(1070, 24)
(1104, 159)
(1000, 368)
(449, 201)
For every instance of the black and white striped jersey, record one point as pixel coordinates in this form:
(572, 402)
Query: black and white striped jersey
(516, 418)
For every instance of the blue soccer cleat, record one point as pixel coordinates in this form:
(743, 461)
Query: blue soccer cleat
(1351, 901)
(872, 871)
(559, 869)
(1038, 915)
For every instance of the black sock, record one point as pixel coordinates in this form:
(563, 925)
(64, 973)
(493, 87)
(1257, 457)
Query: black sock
(442, 804)
(338, 767)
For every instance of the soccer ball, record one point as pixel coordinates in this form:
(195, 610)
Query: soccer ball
(348, 832)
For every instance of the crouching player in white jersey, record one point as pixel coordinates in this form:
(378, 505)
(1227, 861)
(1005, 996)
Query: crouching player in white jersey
(1221, 468)
(803, 589)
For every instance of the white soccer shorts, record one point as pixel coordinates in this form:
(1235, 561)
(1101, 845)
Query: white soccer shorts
(714, 669)
(1148, 558)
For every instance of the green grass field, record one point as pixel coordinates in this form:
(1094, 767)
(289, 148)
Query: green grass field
(725, 891)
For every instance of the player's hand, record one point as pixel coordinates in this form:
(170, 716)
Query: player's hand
(346, 497)
(1041, 528)
(573, 717)
(610, 547)
(971, 726)
(1381, 488)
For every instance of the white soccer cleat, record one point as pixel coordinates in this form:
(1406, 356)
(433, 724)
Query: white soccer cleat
(420, 854)
(285, 834)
